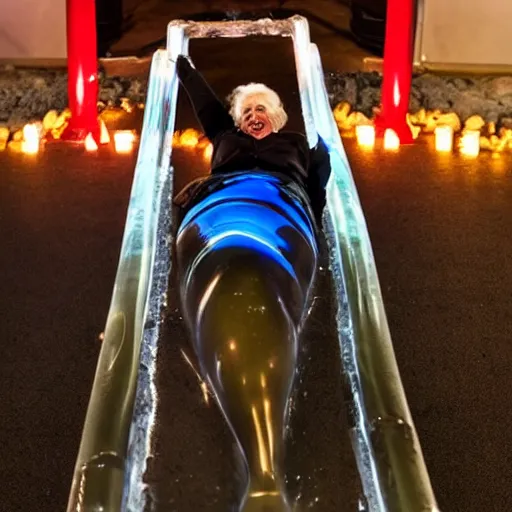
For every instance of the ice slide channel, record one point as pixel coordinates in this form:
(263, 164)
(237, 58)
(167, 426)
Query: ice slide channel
(111, 456)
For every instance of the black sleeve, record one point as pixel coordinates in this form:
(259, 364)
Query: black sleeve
(318, 176)
(209, 110)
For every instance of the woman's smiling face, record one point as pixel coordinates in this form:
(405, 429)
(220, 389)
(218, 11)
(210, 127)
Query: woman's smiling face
(255, 120)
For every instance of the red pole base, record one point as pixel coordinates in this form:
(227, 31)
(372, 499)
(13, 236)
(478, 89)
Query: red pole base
(399, 126)
(76, 133)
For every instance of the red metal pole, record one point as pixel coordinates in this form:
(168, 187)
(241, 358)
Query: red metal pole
(82, 70)
(396, 85)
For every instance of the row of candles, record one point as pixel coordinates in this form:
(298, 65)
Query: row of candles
(444, 135)
(124, 140)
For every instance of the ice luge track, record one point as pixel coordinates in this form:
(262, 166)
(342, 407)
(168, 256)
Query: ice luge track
(111, 468)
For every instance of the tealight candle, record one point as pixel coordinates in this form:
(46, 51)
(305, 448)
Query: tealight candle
(365, 135)
(444, 138)
(30, 142)
(189, 138)
(90, 143)
(123, 141)
(391, 140)
(207, 152)
(470, 143)
(104, 135)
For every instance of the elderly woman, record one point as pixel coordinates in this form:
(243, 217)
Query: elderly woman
(246, 254)
(249, 136)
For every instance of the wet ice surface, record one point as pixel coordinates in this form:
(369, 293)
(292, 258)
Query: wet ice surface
(195, 464)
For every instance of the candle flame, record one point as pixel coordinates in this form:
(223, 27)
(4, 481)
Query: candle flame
(189, 138)
(207, 153)
(391, 140)
(30, 143)
(444, 138)
(470, 143)
(104, 135)
(90, 143)
(365, 135)
(123, 141)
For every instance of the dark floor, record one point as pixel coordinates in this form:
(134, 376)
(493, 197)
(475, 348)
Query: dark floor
(440, 229)
(62, 215)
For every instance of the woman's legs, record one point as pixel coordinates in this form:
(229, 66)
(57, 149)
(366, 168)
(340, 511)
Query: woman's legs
(244, 299)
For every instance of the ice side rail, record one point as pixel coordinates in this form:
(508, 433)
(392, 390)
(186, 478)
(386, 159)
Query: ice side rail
(98, 479)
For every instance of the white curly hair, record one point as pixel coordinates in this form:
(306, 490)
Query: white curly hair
(267, 96)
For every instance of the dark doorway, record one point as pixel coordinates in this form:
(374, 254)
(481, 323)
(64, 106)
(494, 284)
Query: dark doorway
(109, 23)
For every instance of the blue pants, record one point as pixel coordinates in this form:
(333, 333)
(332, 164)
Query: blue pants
(259, 216)
(246, 257)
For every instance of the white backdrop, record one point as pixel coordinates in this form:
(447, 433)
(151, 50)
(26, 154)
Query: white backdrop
(464, 32)
(33, 29)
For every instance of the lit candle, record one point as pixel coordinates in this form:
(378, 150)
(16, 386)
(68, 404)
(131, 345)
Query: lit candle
(444, 138)
(391, 140)
(207, 152)
(90, 143)
(470, 143)
(189, 138)
(104, 135)
(30, 142)
(365, 135)
(123, 141)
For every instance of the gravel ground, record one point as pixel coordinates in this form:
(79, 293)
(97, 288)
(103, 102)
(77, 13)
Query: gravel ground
(27, 94)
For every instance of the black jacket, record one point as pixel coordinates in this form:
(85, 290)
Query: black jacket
(287, 153)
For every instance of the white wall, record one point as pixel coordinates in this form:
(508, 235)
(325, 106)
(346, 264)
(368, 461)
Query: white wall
(32, 29)
(465, 32)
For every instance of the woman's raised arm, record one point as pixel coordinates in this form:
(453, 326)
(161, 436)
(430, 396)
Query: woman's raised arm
(209, 110)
